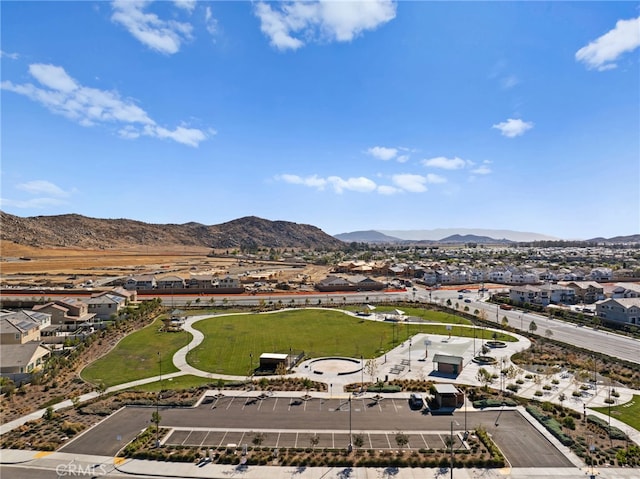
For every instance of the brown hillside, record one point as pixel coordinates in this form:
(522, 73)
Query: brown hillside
(76, 231)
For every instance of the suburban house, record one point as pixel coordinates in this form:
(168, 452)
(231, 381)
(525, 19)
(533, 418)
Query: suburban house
(619, 310)
(105, 305)
(587, 292)
(170, 282)
(227, 282)
(68, 313)
(147, 281)
(626, 290)
(21, 352)
(601, 274)
(543, 294)
(200, 281)
(336, 283)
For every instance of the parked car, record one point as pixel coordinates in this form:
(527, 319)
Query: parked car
(467, 300)
(416, 401)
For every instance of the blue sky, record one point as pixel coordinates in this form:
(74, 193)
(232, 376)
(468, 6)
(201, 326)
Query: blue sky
(344, 115)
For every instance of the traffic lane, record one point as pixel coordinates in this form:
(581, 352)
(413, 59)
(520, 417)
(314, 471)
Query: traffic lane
(522, 444)
(112, 434)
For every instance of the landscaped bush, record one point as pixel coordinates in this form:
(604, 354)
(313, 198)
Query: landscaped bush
(551, 424)
(497, 459)
(386, 388)
(484, 403)
(612, 430)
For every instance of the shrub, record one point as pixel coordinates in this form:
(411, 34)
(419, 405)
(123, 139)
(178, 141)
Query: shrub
(551, 425)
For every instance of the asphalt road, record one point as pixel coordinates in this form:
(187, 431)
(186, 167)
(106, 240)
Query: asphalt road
(522, 444)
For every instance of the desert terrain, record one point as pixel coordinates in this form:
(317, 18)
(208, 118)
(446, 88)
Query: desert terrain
(22, 265)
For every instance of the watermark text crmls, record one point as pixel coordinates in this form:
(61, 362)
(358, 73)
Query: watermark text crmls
(73, 469)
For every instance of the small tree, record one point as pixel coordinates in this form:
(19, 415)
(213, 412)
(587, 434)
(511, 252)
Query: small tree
(314, 440)
(505, 322)
(533, 327)
(258, 439)
(484, 377)
(48, 414)
(156, 418)
(401, 439)
(281, 370)
(371, 368)
(358, 440)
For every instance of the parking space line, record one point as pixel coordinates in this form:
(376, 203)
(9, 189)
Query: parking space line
(394, 405)
(259, 404)
(333, 440)
(278, 439)
(426, 444)
(296, 443)
(222, 439)
(387, 437)
(185, 439)
(230, 402)
(274, 404)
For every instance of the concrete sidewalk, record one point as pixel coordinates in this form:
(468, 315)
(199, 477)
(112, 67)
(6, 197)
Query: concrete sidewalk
(103, 466)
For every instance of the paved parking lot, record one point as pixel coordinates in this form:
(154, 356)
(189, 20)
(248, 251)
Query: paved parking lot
(291, 422)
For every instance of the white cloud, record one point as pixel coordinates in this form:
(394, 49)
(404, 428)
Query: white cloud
(402, 158)
(164, 36)
(481, 170)
(210, 21)
(12, 56)
(359, 184)
(53, 77)
(311, 181)
(188, 5)
(601, 53)
(45, 192)
(89, 106)
(445, 163)
(383, 153)
(42, 187)
(388, 190)
(410, 182)
(322, 20)
(509, 82)
(513, 127)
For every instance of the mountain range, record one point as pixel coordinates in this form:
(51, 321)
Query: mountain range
(78, 231)
(250, 232)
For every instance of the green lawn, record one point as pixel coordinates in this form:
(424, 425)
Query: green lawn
(628, 413)
(136, 356)
(230, 341)
(181, 382)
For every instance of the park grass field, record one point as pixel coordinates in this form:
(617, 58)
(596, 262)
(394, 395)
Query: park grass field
(233, 344)
(136, 356)
(179, 382)
(628, 413)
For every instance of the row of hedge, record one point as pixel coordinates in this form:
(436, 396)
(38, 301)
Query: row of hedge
(613, 431)
(553, 426)
(484, 403)
(497, 458)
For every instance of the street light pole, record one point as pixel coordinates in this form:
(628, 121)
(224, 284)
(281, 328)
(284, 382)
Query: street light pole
(410, 342)
(451, 450)
(350, 438)
(361, 373)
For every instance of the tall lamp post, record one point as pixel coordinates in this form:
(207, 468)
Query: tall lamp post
(409, 354)
(157, 418)
(361, 373)
(350, 447)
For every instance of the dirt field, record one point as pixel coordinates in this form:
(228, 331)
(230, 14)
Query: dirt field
(24, 265)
